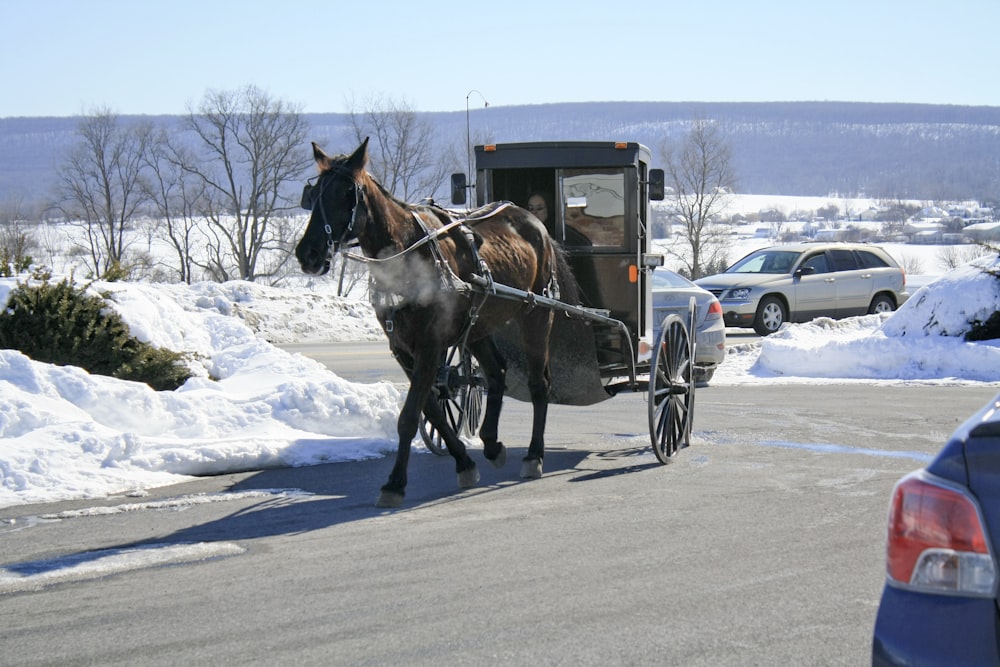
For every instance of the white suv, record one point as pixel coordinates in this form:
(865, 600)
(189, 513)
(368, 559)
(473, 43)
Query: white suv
(801, 281)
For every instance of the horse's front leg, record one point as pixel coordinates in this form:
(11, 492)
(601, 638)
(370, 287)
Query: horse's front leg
(536, 327)
(421, 369)
(465, 467)
(495, 369)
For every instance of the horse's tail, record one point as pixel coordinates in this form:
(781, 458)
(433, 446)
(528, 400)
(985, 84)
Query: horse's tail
(569, 288)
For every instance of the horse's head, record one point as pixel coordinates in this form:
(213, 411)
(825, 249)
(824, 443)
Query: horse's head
(337, 203)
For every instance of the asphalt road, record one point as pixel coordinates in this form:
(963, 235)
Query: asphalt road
(761, 544)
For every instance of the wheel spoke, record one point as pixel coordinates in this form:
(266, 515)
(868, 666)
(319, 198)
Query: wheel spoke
(460, 389)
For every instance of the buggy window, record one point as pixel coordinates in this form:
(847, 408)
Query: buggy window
(593, 202)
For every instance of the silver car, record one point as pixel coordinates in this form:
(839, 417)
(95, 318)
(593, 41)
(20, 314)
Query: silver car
(671, 294)
(801, 281)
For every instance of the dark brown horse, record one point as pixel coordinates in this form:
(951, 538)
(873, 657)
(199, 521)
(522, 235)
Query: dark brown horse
(423, 261)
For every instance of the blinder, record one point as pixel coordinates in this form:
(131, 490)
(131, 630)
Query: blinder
(309, 195)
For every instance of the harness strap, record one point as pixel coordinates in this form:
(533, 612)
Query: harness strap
(447, 276)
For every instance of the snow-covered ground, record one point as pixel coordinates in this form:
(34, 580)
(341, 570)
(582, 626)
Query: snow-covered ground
(67, 434)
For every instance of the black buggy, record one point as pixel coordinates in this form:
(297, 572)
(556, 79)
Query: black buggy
(594, 198)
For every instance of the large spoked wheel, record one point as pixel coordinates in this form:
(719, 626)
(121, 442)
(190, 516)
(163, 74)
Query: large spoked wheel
(671, 388)
(461, 390)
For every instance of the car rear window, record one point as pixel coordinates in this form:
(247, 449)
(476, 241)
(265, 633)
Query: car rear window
(870, 260)
(667, 279)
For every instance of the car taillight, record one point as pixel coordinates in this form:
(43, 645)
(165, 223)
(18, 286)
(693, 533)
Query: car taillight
(936, 539)
(714, 310)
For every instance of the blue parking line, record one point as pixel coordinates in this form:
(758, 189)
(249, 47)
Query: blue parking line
(920, 457)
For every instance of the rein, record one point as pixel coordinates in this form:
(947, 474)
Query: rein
(432, 236)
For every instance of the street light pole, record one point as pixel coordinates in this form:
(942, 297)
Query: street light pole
(468, 136)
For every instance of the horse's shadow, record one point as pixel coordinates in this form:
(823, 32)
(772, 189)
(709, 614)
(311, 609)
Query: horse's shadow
(339, 493)
(331, 494)
(311, 498)
(325, 495)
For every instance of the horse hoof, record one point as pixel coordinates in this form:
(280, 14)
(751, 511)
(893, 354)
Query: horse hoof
(500, 459)
(531, 469)
(389, 499)
(468, 478)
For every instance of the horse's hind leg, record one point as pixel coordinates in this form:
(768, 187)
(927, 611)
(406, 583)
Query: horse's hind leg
(492, 364)
(535, 330)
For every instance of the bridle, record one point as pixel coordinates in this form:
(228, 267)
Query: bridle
(313, 192)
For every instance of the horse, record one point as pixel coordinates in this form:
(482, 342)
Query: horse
(423, 261)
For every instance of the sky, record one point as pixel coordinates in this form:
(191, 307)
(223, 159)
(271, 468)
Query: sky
(66, 57)
(66, 434)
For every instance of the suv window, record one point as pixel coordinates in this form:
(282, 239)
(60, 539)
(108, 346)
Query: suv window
(818, 262)
(843, 260)
(870, 260)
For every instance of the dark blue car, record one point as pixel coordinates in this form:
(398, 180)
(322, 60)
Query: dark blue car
(939, 603)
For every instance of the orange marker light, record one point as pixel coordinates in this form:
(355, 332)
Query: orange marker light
(633, 273)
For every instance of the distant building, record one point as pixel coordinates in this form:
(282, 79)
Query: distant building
(928, 237)
(931, 212)
(914, 227)
(983, 231)
(871, 214)
(832, 234)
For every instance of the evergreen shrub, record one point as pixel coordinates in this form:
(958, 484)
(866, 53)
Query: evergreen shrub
(61, 324)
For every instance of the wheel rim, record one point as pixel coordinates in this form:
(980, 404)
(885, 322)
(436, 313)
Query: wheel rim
(772, 316)
(453, 414)
(473, 394)
(671, 390)
(450, 402)
(461, 390)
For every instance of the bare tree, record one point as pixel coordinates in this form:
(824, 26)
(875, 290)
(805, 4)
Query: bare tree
(250, 149)
(100, 186)
(176, 196)
(699, 170)
(953, 256)
(17, 242)
(402, 150)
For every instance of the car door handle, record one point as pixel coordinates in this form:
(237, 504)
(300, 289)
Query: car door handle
(866, 275)
(829, 280)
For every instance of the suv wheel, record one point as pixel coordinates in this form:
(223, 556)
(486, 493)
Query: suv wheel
(770, 316)
(881, 304)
